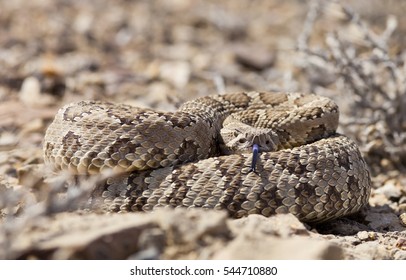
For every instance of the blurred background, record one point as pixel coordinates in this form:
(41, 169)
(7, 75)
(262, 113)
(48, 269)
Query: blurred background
(161, 53)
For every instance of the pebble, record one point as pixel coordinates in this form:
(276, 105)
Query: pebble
(283, 225)
(30, 90)
(401, 243)
(381, 219)
(390, 190)
(254, 57)
(30, 93)
(296, 247)
(371, 251)
(8, 139)
(400, 255)
(176, 72)
(366, 236)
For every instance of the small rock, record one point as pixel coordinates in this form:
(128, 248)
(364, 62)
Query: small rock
(372, 235)
(75, 236)
(83, 22)
(189, 225)
(391, 190)
(284, 233)
(176, 72)
(383, 218)
(254, 57)
(30, 90)
(378, 199)
(364, 235)
(400, 255)
(401, 243)
(371, 251)
(30, 93)
(283, 225)
(30, 175)
(297, 247)
(8, 139)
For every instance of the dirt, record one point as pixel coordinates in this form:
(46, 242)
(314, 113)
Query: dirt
(159, 54)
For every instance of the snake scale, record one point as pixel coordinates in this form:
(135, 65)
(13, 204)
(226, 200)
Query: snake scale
(201, 155)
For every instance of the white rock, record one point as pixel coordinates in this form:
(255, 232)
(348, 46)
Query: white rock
(176, 72)
(30, 93)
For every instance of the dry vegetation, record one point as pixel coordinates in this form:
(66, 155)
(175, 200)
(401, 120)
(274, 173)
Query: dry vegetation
(370, 71)
(159, 54)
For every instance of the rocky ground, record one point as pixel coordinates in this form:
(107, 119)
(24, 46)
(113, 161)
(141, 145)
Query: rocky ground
(161, 53)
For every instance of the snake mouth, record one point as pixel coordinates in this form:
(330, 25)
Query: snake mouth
(262, 142)
(241, 138)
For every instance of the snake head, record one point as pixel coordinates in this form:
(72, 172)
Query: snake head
(240, 138)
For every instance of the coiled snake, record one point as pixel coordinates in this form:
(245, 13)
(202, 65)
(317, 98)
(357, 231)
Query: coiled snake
(201, 155)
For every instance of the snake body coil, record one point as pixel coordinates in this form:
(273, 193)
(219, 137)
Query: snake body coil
(200, 155)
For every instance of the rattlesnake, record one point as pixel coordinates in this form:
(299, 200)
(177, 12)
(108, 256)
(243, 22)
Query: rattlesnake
(200, 155)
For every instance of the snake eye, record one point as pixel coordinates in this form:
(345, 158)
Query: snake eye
(242, 140)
